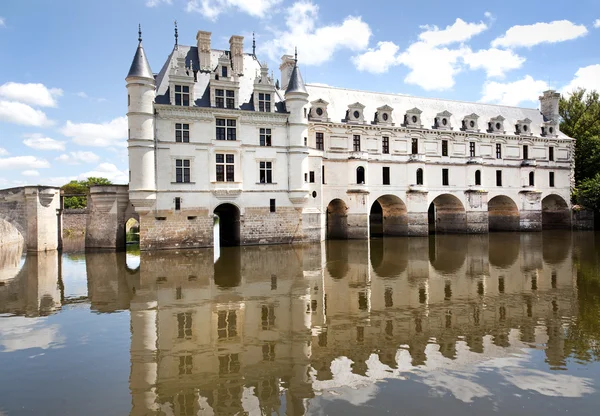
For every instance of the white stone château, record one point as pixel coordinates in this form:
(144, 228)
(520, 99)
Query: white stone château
(215, 139)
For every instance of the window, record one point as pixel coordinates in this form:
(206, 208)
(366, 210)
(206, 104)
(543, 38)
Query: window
(128, 100)
(551, 179)
(268, 317)
(265, 137)
(185, 364)
(445, 180)
(225, 167)
(472, 149)
(319, 141)
(220, 98)
(266, 172)
(264, 102)
(226, 129)
(311, 176)
(323, 174)
(551, 153)
(385, 145)
(498, 151)
(386, 175)
(182, 133)
(498, 178)
(415, 146)
(356, 143)
(419, 176)
(177, 203)
(228, 364)
(477, 177)
(182, 170)
(184, 325)
(360, 175)
(272, 208)
(230, 95)
(268, 351)
(444, 147)
(182, 95)
(525, 152)
(226, 324)
(224, 71)
(306, 141)
(531, 179)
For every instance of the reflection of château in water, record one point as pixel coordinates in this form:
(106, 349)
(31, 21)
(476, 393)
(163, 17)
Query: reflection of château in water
(265, 327)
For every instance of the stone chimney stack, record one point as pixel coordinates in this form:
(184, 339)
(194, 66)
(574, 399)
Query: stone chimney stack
(286, 67)
(549, 105)
(236, 48)
(203, 39)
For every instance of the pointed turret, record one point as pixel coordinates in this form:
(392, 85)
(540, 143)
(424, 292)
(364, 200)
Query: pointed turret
(296, 83)
(140, 67)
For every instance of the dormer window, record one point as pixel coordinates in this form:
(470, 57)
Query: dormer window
(442, 120)
(384, 115)
(318, 110)
(412, 118)
(182, 95)
(549, 129)
(523, 127)
(470, 123)
(224, 71)
(496, 125)
(224, 97)
(264, 102)
(355, 113)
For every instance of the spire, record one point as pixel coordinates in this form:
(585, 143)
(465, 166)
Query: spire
(296, 83)
(140, 67)
(176, 37)
(253, 45)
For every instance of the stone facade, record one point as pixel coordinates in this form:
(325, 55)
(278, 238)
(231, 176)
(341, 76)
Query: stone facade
(74, 221)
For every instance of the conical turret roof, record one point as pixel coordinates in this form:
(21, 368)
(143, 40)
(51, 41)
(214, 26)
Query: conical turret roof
(296, 83)
(140, 66)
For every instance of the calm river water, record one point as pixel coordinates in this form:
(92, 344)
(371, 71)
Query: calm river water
(452, 325)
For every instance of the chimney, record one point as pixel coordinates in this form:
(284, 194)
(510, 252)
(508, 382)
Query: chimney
(549, 105)
(236, 49)
(286, 67)
(203, 39)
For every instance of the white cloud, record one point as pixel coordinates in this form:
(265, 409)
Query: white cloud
(597, 23)
(514, 93)
(19, 113)
(379, 60)
(112, 133)
(3, 151)
(211, 9)
(22, 333)
(537, 33)
(459, 31)
(489, 15)
(39, 142)
(154, 3)
(494, 61)
(23, 162)
(316, 45)
(587, 77)
(2, 22)
(108, 171)
(81, 94)
(32, 94)
(30, 172)
(432, 68)
(75, 158)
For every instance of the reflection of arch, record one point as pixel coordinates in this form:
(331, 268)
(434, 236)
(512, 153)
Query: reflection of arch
(360, 175)
(228, 268)
(447, 215)
(336, 256)
(555, 247)
(388, 216)
(504, 249)
(555, 213)
(503, 214)
(228, 225)
(337, 220)
(132, 230)
(389, 256)
(447, 253)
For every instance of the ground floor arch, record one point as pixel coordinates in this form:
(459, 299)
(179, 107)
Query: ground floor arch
(132, 231)
(388, 216)
(227, 225)
(10, 233)
(503, 214)
(447, 215)
(555, 213)
(337, 220)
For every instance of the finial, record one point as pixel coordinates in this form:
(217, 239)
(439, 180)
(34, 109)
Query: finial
(176, 36)
(295, 55)
(140, 33)
(253, 45)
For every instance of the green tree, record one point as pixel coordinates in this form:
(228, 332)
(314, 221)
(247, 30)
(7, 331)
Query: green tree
(75, 191)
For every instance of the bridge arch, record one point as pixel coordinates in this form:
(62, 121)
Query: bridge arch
(337, 220)
(555, 212)
(503, 214)
(388, 216)
(447, 215)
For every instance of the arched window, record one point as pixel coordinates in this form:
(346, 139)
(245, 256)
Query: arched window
(477, 177)
(531, 179)
(419, 176)
(360, 175)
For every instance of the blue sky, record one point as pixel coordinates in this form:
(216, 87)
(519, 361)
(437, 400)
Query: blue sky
(63, 62)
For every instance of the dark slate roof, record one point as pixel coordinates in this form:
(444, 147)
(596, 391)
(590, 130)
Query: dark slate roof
(140, 66)
(296, 83)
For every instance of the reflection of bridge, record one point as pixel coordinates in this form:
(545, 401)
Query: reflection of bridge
(32, 216)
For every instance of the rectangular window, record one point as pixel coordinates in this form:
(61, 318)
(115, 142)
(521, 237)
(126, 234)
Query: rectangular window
(356, 143)
(525, 152)
(272, 208)
(177, 203)
(472, 149)
(415, 146)
(226, 324)
(266, 172)
(551, 153)
(267, 315)
(444, 147)
(182, 95)
(319, 141)
(264, 102)
(185, 365)
(226, 129)
(184, 325)
(182, 170)
(445, 180)
(311, 176)
(225, 167)
(386, 175)
(220, 98)
(385, 145)
(498, 178)
(265, 137)
(230, 95)
(551, 179)
(182, 133)
(498, 151)
(224, 71)
(323, 174)
(531, 179)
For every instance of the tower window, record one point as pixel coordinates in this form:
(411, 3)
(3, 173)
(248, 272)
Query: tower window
(182, 95)
(498, 151)
(265, 137)
(182, 170)
(477, 177)
(472, 149)
(385, 145)
(419, 176)
(225, 167)
(498, 178)
(319, 141)
(551, 179)
(356, 143)
(323, 174)
(311, 176)
(177, 203)
(272, 208)
(551, 153)
(266, 172)
(264, 102)
(182, 133)
(360, 175)
(445, 177)
(444, 147)
(525, 152)
(226, 129)
(531, 179)
(386, 175)
(415, 146)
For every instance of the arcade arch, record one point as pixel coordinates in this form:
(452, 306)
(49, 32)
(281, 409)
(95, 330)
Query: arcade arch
(503, 214)
(388, 216)
(447, 215)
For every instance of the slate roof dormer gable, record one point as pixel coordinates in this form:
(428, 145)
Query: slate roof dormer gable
(140, 68)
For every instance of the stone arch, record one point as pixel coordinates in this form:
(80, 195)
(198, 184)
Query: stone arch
(388, 216)
(11, 233)
(337, 219)
(555, 213)
(503, 214)
(227, 225)
(447, 215)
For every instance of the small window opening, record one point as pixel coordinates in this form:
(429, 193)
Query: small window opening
(272, 205)
(177, 203)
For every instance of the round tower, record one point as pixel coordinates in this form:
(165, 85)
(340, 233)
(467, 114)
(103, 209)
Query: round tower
(141, 91)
